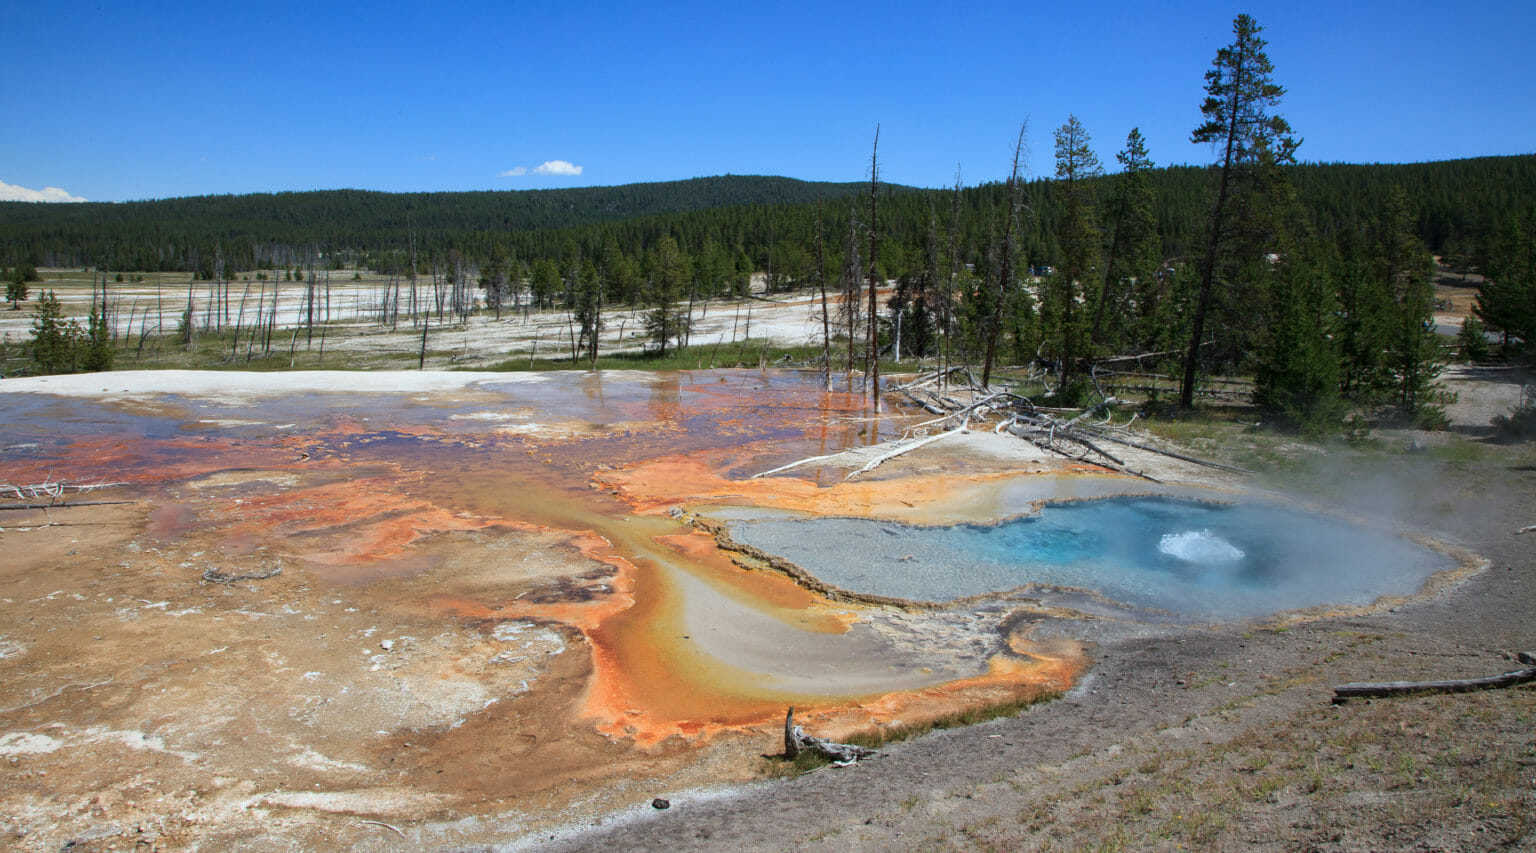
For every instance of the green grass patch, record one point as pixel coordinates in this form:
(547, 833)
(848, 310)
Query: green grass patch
(746, 353)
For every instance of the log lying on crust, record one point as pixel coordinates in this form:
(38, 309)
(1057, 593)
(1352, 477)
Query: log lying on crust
(1344, 692)
(904, 447)
(63, 505)
(797, 741)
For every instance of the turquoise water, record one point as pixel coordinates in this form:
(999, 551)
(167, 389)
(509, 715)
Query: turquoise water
(1186, 557)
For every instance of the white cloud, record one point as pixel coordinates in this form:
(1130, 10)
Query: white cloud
(557, 167)
(514, 172)
(9, 192)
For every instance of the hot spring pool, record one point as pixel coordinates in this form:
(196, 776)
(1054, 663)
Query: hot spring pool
(1194, 559)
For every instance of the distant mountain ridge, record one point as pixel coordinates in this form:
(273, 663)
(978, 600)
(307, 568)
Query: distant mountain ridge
(468, 210)
(1458, 206)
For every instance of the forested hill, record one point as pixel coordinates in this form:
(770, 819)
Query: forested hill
(159, 234)
(1457, 206)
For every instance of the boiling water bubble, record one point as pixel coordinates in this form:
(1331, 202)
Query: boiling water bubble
(1199, 546)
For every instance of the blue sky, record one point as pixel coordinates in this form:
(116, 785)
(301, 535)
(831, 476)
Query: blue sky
(112, 101)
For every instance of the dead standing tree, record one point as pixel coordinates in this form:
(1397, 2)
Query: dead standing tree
(826, 326)
(1005, 272)
(849, 315)
(872, 333)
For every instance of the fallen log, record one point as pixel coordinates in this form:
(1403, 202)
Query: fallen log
(797, 741)
(213, 575)
(1344, 692)
(810, 460)
(65, 505)
(905, 448)
(1172, 455)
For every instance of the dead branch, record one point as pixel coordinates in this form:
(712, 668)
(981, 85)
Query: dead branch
(841, 754)
(388, 826)
(1044, 432)
(1345, 692)
(53, 490)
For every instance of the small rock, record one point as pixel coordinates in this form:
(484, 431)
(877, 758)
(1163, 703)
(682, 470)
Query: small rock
(386, 645)
(659, 803)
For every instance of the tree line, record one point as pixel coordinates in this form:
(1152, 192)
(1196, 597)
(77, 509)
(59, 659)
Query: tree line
(1315, 279)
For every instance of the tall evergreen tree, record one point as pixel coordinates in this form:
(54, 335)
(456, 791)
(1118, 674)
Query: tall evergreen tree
(918, 295)
(546, 282)
(667, 280)
(1297, 374)
(1133, 244)
(493, 278)
(1078, 235)
(1240, 95)
(589, 308)
(1403, 268)
(96, 350)
(1506, 303)
(15, 288)
(1364, 323)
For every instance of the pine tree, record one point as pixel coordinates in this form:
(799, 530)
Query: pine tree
(1403, 268)
(1506, 303)
(1133, 245)
(1239, 97)
(1078, 236)
(55, 341)
(1364, 323)
(589, 309)
(917, 296)
(1297, 377)
(546, 282)
(493, 278)
(96, 350)
(667, 280)
(1473, 340)
(15, 288)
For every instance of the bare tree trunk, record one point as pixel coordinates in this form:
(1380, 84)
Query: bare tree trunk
(261, 322)
(872, 353)
(234, 346)
(1005, 274)
(946, 315)
(426, 320)
(826, 323)
(189, 337)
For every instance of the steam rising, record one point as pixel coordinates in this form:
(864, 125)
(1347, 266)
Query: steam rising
(1199, 546)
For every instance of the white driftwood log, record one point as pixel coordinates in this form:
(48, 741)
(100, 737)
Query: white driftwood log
(797, 741)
